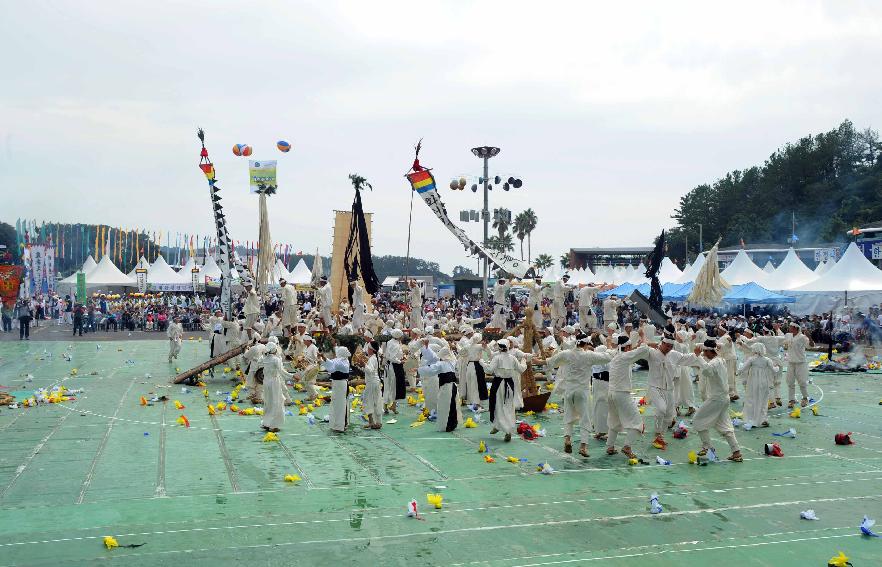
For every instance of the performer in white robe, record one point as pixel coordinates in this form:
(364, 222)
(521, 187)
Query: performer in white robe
(358, 306)
(290, 309)
(504, 366)
(447, 416)
(175, 334)
(714, 412)
(575, 389)
(726, 349)
(338, 368)
(500, 304)
(475, 381)
(325, 298)
(611, 310)
(534, 302)
(797, 367)
(559, 292)
(274, 389)
(663, 369)
(683, 394)
(372, 396)
(416, 305)
(700, 337)
(758, 373)
(586, 305)
(232, 339)
(217, 344)
(310, 372)
(252, 358)
(251, 308)
(623, 415)
(394, 383)
(600, 396)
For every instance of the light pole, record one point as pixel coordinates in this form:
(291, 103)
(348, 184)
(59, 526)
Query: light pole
(485, 153)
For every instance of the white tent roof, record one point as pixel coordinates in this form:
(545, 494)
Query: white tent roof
(300, 274)
(87, 267)
(669, 272)
(691, 273)
(210, 269)
(551, 275)
(185, 269)
(791, 274)
(89, 264)
(769, 267)
(142, 263)
(603, 274)
(824, 266)
(107, 274)
(742, 270)
(853, 272)
(161, 273)
(619, 275)
(280, 271)
(636, 275)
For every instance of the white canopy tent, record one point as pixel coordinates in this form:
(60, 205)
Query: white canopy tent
(791, 274)
(824, 266)
(280, 271)
(300, 274)
(161, 274)
(669, 272)
(87, 267)
(551, 275)
(106, 274)
(691, 273)
(210, 269)
(142, 263)
(742, 270)
(853, 281)
(769, 267)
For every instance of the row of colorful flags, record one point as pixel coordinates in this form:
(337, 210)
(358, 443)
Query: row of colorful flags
(125, 246)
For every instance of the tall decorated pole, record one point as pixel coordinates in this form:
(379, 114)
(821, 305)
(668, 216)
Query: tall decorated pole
(224, 244)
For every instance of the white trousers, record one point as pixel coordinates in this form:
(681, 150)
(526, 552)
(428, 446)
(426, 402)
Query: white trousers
(577, 409)
(797, 372)
(599, 391)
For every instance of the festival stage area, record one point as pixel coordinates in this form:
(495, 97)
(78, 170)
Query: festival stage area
(214, 494)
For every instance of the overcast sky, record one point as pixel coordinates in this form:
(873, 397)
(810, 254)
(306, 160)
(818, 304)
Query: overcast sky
(608, 113)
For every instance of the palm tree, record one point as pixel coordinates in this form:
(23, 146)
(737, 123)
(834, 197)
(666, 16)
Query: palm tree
(564, 260)
(521, 224)
(531, 221)
(501, 224)
(544, 261)
(501, 244)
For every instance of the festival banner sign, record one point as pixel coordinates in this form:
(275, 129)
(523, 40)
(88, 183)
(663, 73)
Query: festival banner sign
(262, 175)
(423, 182)
(10, 281)
(49, 269)
(194, 278)
(81, 288)
(141, 278)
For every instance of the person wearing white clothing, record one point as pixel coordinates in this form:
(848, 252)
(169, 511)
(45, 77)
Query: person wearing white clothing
(338, 368)
(714, 412)
(575, 389)
(447, 415)
(372, 397)
(797, 367)
(274, 390)
(586, 300)
(758, 372)
(663, 370)
(175, 334)
(290, 314)
(504, 366)
(623, 415)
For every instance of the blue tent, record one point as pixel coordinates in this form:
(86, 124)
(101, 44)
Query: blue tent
(750, 293)
(753, 293)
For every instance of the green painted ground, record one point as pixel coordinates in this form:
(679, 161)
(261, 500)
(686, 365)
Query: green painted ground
(214, 493)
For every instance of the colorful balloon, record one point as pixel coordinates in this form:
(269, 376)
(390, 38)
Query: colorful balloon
(246, 150)
(242, 150)
(237, 150)
(283, 146)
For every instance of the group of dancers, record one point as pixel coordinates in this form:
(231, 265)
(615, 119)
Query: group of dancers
(450, 362)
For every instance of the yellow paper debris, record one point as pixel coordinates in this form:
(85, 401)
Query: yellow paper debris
(292, 478)
(110, 542)
(270, 436)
